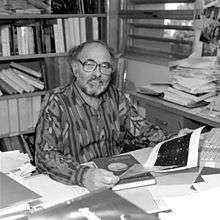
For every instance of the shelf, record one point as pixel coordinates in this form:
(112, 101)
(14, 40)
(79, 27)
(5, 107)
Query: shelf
(31, 56)
(29, 131)
(46, 16)
(28, 94)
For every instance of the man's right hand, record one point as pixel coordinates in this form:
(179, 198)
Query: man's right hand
(96, 178)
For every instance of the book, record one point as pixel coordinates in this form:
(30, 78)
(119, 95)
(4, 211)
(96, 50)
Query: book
(4, 117)
(13, 116)
(31, 80)
(76, 26)
(191, 97)
(12, 73)
(5, 40)
(59, 36)
(131, 173)
(25, 113)
(36, 106)
(4, 76)
(101, 204)
(175, 154)
(25, 69)
(6, 88)
(95, 28)
(67, 35)
(152, 89)
(82, 22)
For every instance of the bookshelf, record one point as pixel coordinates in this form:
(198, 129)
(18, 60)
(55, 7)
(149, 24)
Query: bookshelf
(19, 112)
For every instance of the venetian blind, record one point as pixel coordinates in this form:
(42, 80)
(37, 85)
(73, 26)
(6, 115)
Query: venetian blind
(157, 28)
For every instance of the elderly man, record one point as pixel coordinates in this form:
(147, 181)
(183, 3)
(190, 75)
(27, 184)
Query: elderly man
(88, 119)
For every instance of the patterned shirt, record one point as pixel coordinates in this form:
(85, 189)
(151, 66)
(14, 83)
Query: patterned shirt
(70, 132)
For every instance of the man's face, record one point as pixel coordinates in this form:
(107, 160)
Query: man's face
(94, 82)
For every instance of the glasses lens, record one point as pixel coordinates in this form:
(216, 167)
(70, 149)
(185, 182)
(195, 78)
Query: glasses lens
(89, 65)
(106, 68)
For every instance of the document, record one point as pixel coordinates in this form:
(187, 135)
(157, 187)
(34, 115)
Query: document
(175, 154)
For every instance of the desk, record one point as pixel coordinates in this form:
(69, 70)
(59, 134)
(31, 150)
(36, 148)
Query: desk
(170, 116)
(53, 192)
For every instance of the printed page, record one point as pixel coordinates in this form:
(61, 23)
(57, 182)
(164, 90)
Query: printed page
(175, 154)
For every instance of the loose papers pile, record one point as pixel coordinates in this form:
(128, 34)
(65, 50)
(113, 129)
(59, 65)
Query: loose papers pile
(193, 80)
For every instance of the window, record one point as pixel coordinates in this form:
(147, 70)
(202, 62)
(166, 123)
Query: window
(157, 28)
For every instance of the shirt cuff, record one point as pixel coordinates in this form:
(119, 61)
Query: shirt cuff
(78, 178)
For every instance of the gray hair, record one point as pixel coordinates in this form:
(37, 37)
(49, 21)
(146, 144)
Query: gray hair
(75, 51)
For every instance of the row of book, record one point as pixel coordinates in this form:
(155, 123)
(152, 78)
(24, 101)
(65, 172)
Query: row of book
(19, 114)
(19, 79)
(49, 36)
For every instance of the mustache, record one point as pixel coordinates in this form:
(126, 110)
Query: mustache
(95, 78)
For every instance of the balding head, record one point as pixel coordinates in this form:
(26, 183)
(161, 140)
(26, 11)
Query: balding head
(88, 46)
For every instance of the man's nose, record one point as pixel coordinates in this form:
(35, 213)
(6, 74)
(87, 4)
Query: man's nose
(97, 71)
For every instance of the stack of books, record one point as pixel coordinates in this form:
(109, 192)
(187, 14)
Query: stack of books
(19, 79)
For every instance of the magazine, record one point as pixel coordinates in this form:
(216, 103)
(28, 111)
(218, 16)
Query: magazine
(175, 154)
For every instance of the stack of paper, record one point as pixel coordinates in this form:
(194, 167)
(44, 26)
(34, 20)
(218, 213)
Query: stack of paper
(12, 160)
(193, 80)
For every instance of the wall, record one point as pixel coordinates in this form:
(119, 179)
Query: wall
(141, 73)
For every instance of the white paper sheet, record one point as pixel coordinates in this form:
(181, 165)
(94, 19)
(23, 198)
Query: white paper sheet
(203, 205)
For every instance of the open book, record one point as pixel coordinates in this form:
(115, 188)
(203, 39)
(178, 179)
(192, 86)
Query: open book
(175, 154)
(130, 171)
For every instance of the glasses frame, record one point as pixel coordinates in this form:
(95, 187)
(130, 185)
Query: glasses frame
(97, 64)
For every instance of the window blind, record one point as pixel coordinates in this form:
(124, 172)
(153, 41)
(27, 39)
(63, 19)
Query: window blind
(157, 28)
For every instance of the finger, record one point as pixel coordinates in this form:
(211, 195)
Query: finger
(110, 180)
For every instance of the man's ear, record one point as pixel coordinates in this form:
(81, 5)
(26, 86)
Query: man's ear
(74, 66)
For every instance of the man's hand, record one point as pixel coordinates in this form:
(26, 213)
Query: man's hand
(184, 131)
(96, 178)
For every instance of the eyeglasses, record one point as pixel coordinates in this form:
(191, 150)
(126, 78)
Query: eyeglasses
(90, 65)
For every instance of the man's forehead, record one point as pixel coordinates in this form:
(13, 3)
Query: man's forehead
(95, 51)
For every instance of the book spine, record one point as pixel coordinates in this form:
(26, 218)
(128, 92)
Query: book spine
(4, 117)
(25, 69)
(31, 80)
(31, 45)
(67, 34)
(6, 88)
(72, 33)
(13, 116)
(27, 87)
(36, 106)
(59, 36)
(4, 76)
(5, 40)
(76, 26)
(25, 113)
(19, 81)
(95, 28)
(89, 31)
(82, 30)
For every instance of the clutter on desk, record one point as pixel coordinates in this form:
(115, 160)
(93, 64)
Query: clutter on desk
(194, 80)
(11, 161)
